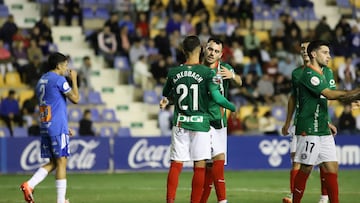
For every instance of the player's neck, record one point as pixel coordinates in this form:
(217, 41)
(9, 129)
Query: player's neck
(212, 65)
(193, 59)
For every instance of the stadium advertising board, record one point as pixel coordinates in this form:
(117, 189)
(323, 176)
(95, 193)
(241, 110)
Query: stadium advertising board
(23, 154)
(152, 154)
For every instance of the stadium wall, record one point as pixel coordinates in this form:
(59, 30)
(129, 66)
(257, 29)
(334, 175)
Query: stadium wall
(115, 154)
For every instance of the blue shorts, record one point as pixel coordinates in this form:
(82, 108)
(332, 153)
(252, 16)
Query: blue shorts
(55, 146)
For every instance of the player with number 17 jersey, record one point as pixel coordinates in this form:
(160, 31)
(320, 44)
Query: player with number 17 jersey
(190, 86)
(51, 90)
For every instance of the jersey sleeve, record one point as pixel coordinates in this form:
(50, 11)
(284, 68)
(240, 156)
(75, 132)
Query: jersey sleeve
(329, 75)
(314, 82)
(63, 85)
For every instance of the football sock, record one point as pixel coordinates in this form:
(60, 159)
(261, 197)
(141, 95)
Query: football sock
(293, 174)
(61, 190)
(173, 180)
(197, 185)
(322, 181)
(38, 176)
(299, 186)
(219, 179)
(332, 187)
(207, 185)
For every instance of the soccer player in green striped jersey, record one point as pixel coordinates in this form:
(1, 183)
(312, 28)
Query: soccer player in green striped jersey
(191, 86)
(316, 145)
(218, 121)
(293, 107)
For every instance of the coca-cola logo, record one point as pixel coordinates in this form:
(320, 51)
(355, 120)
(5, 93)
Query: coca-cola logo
(144, 155)
(82, 155)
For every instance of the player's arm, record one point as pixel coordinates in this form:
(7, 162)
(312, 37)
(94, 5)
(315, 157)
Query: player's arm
(343, 95)
(73, 95)
(230, 74)
(222, 101)
(289, 114)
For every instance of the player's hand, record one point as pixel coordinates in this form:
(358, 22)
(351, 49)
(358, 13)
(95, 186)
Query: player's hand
(71, 132)
(285, 129)
(333, 129)
(226, 73)
(163, 103)
(72, 74)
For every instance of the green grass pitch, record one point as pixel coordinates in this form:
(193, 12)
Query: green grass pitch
(150, 187)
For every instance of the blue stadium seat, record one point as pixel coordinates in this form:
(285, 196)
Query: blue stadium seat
(4, 132)
(95, 98)
(122, 63)
(107, 131)
(108, 115)
(95, 115)
(102, 13)
(88, 13)
(151, 97)
(105, 2)
(20, 132)
(74, 114)
(124, 132)
(89, 3)
(279, 113)
(4, 11)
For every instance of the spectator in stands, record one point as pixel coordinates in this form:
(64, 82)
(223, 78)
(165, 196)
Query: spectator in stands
(290, 24)
(34, 52)
(251, 122)
(346, 68)
(203, 22)
(280, 52)
(344, 25)
(176, 6)
(234, 124)
(347, 122)
(74, 9)
(354, 39)
(186, 27)
(253, 67)
(85, 74)
(249, 88)
(107, 45)
(153, 51)
(340, 43)
(142, 76)
(229, 8)
(137, 49)
(252, 43)
(20, 58)
(5, 60)
(162, 42)
(128, 22)
(113, 23)
(195, 7)
(267, 124)
(8, 30)
(60, 9)
(23, 36)
(246, 12)
(33, 71)
(238, 54)
(124, 42)
(10, 111)
(34, 128)
(218, 26)
(165, 121)
(287, 65)
(85, 124)
(265, 87)
(204, 35)
(35, 34)
(159, 71)
(278, 26)
(142, 25)
(292, 40)
(323, 30)
(282, 87)
(29, 110)
(45, 28)
(173, 24)
(142, 6)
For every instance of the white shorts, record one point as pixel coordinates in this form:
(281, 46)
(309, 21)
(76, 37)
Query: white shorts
(314, 150)
(293, 140)
(187, 145)
(218, 141)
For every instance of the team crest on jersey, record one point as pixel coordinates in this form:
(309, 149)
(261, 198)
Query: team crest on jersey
(303, 156)
(315, 81)
(66, 86)
(217, 79)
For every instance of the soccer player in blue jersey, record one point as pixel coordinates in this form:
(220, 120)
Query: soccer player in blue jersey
(52, 91)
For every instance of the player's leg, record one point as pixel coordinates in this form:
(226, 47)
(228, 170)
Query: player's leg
(180, 147)
(200, 151)
(60, 177)
(208, 183)
(28, 186)
(307, 153)
(324, 194)
(328, 159)
(294, 168)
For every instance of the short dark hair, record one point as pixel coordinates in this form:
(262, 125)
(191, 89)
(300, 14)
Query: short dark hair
(190, 43)
(56, 58)
(314, 45)
(216, 40)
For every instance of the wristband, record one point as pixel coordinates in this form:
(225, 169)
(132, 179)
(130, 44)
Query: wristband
(233, 76)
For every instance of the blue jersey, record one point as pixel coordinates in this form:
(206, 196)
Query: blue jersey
(50, 91)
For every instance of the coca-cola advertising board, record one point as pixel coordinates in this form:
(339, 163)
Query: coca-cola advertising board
(23, 154)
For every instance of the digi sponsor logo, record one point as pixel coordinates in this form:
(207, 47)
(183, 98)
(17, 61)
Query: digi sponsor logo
(275, 149)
